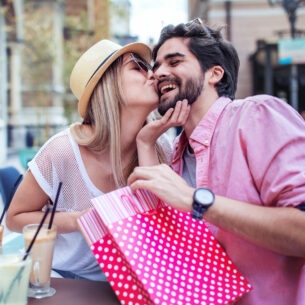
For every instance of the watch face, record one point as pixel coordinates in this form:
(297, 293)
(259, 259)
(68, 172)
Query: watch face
(203, 199)
(204, 196)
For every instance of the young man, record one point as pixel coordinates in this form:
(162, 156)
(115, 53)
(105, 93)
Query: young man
(242, 163)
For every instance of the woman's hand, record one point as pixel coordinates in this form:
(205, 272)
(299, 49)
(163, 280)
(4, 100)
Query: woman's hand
(173, 117)
(149, 134)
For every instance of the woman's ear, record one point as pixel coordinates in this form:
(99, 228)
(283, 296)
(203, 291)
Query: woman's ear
(216, 74)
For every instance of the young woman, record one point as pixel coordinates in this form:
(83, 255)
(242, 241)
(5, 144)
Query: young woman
(116, 94)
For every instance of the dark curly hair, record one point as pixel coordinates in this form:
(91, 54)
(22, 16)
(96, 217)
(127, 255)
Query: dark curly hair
(210, 48)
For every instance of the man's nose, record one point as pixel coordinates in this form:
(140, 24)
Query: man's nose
(160, 72)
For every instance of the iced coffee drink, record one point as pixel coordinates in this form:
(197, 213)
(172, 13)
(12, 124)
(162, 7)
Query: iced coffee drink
(42, 256)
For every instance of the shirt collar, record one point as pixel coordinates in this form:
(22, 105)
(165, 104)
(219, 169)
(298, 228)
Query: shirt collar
(203, 132)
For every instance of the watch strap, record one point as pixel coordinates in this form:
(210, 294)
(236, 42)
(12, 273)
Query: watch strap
(198, 211)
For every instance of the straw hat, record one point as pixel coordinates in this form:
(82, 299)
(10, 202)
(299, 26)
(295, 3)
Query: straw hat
(94, 62)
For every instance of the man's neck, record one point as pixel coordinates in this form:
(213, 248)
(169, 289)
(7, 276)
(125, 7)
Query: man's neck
(198, 110)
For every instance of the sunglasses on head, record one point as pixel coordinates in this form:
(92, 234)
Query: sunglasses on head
(201, 23)
(142, 64)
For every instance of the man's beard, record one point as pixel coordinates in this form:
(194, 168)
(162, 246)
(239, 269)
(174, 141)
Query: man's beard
(191, 91)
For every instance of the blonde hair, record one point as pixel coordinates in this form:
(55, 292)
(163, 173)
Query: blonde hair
(103, 115)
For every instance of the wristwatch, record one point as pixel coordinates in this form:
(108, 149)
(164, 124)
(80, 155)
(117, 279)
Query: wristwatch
(203, 198)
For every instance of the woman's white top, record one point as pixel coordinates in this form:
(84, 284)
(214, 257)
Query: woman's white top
(59, 160)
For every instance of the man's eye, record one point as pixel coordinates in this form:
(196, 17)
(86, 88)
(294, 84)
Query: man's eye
(174, 62)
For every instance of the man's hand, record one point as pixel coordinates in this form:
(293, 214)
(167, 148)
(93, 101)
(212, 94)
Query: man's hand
(165, 184)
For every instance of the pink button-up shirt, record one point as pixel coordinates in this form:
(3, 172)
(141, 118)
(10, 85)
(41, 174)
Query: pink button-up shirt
(253, 150)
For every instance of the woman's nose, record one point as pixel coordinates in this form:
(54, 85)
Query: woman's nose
(150, 75)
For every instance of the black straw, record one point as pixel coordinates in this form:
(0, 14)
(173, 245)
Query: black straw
(54, 206)
(2, 215)
(8, 200)
(34, 238)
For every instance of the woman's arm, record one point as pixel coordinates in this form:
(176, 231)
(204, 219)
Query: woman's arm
(26, 207)
(149, 134)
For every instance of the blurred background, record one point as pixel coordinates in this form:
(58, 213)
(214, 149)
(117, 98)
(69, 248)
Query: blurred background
(40, 41)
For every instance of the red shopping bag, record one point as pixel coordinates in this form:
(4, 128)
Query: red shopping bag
(153, 254)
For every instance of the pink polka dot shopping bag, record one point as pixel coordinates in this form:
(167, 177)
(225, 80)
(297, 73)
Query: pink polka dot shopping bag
(153, 254)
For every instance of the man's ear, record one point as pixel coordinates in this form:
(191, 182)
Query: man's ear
(216, 74)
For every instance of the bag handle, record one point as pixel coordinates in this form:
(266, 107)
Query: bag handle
(132, 207)
(129, 204)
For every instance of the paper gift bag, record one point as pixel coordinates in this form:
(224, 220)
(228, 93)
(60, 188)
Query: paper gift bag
(154, 254)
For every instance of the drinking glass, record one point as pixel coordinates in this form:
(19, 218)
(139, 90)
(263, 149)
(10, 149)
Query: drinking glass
(42, 256)
(14, 279)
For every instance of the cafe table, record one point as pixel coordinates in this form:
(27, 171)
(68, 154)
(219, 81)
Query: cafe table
(78, 292)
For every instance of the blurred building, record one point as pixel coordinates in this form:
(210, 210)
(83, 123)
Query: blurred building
(40, 40)
(255, 28)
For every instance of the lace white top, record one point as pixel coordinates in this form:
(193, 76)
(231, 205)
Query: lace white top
(59, 160)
